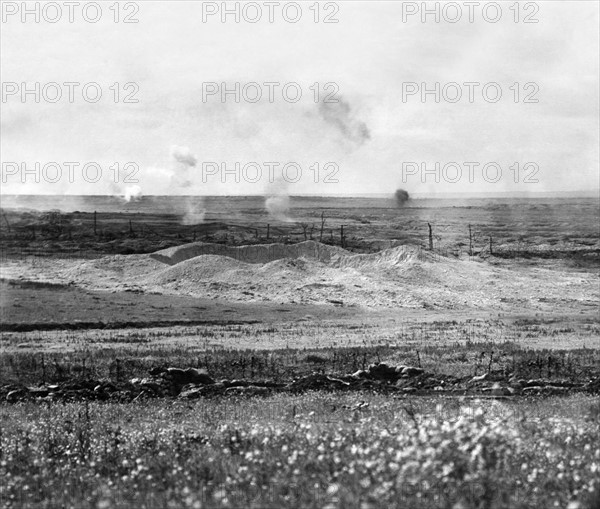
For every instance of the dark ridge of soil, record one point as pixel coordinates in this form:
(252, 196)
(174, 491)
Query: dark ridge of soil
(48, 326)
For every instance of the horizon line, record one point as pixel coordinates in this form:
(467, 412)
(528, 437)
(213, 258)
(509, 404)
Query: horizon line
(442, 195)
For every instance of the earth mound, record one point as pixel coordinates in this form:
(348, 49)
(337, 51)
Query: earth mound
(261, 253)
(308, 272)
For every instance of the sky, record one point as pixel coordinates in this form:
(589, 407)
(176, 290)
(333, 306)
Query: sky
(182, 143)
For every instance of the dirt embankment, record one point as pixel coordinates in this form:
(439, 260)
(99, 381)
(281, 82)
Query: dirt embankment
(311, 273)
(260, 254)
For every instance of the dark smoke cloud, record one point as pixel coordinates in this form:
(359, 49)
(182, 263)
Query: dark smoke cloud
(340, 116)
(401, 197)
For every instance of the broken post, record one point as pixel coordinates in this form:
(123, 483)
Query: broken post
(342, 236)
(470, 241)
(268, 230)
(491, 247)
(95, 231)
(491, 360)
(322, 226)
(430, 237)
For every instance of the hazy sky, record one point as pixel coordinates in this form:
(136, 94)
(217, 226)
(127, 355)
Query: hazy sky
(369, 54)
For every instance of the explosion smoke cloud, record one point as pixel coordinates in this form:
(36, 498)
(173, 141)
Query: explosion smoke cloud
(277, 201)
(195, 212)
(401, 196)
(278, 207)
(183, 155)
(339, 115)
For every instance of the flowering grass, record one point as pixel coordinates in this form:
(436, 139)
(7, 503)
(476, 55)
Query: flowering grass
(314, 450)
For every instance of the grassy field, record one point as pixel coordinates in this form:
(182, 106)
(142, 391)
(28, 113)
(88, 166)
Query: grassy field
(105, 361)
(314, 448)
(302, 452)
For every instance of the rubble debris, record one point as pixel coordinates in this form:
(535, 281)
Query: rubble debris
(193, 383)
(183, 376)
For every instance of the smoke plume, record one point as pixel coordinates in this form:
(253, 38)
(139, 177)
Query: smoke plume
(181, 177)
(277, 201)
(340, 116)
(195, 211)
(278, 207)
(132, 193)
(401, 197)
(183, 155)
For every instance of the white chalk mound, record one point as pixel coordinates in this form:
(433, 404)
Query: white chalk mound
(308, 250)
(261, 253)
(308, 272)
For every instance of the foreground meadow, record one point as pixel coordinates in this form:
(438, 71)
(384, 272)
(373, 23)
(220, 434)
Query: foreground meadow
(82, 429)
(318, 450)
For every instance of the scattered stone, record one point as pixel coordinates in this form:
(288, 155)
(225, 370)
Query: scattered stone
(106, 387)
(517, 385)
(16, 395)
(38, 392)
(148, 383)
(250, 390)
(514, 390)
(316, 381)
(479, 378)
(410, 371)
(555, 389)
(382, 370)
(193, 393)
(187, 376)
(402, 382)
(532, 389)
(499, 390)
